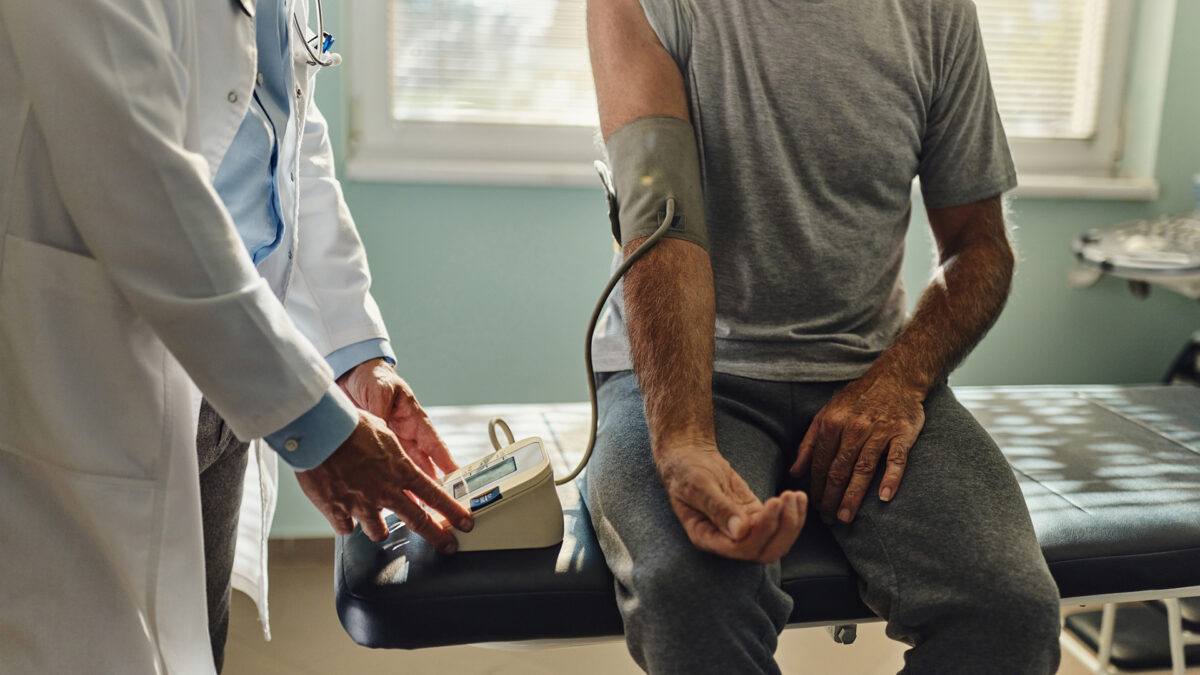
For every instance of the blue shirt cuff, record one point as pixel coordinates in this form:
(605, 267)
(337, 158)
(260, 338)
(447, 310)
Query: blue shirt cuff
(313, 436)
(349, 356)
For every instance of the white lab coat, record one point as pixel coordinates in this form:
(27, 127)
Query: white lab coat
(123, 287)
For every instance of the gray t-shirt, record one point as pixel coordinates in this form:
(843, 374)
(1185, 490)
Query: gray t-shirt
(812, 119)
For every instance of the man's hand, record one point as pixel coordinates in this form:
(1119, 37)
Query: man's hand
(375, 387)
(882, 411)
(847, 438)
(719, 512)
(370, 471)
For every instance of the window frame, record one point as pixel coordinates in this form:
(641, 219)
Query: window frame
(382, 149)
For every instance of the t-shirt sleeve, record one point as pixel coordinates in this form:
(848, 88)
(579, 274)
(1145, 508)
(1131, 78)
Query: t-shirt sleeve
(671, 21)
(964, 152)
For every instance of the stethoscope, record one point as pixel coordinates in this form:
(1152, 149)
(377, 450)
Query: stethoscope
(320, 44)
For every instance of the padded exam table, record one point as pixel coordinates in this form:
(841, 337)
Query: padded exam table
(1111, 476)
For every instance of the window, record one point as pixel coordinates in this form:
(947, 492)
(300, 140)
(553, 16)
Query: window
(491, 61)
(1058, 69)
(500, 90)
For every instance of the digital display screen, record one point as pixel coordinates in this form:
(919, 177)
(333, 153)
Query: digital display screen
(492, 473)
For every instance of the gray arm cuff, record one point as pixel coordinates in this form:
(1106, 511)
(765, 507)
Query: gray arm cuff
(654, 159)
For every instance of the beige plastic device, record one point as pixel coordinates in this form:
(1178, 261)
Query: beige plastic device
(511, 494)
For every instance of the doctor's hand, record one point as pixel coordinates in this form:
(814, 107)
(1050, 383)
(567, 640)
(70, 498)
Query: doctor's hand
(871, 416)
(375, 387)
(719, 512)
(371, 471)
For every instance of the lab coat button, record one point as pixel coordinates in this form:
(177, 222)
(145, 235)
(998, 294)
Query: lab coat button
(299, 93)
(291, 445)
(232, 97)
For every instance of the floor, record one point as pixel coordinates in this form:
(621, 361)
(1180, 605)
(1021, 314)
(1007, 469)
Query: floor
(308, 640)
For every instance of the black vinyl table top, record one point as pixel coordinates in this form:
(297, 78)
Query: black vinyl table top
(1111, 476)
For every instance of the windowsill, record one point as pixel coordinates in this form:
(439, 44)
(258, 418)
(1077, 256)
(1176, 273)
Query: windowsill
(1043, 186)
(581, 174)
(471, 172)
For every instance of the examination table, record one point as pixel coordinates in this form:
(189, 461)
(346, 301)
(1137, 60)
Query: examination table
(1111, 476)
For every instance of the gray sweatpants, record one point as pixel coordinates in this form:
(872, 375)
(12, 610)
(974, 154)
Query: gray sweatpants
(952, 563)
(222, 472)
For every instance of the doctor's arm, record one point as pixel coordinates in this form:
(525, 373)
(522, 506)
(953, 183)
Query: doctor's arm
(670, 308)
(331, 302)
(109, 94)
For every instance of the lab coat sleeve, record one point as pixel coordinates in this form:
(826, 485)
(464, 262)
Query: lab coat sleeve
(330, 294)
(108, 82)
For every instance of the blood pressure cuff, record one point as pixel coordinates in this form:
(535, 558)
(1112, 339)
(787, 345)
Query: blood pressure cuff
(654, 159)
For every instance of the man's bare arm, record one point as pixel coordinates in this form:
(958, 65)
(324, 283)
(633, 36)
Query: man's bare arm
(882, 412)
(670, 309)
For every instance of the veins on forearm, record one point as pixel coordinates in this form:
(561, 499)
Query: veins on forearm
(671, 308)
(961, 302)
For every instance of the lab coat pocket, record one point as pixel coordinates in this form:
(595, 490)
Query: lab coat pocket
(83, 376)
(93, 540)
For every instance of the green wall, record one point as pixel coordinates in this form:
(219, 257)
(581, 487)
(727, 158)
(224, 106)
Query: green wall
(486, 290)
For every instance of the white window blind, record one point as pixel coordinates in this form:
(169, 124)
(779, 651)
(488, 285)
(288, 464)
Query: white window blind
(1046, 59)
(501, 91)
(525, 62)
(492, 61)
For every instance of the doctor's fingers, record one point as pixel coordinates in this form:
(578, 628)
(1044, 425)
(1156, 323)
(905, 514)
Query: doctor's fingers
(423, 462)
(420, 486)
(411, 424)
(338, 517)
(379, 398)
(419, 521)
(372, 523)
(423, 444)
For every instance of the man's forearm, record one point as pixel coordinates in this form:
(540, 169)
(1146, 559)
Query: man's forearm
(957, 307)
(670, 309)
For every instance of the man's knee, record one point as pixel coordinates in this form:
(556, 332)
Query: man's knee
(688, 611)
(681, 584)
(1031, 609)
(1018, 606)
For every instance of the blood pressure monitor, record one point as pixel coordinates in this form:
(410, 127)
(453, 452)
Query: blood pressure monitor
(511, 495)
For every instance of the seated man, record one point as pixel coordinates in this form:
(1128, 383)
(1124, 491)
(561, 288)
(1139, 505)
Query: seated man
(810, 121)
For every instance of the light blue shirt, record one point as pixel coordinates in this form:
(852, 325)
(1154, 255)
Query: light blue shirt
(249, 182)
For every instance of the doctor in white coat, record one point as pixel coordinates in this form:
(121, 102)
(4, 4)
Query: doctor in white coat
(124, 287)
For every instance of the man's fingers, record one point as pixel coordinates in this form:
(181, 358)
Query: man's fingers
(706, 536)
(896, 461)
(826, 438)
(791, 520)
(716, 504)
(804, 454)
(860, 478)
(763, 527)
(700, 530)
